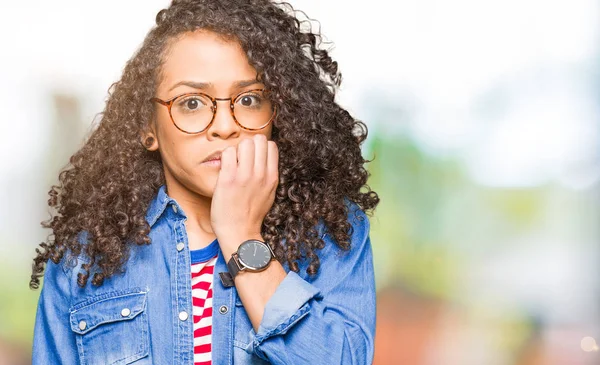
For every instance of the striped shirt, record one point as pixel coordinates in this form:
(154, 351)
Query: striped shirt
(203, 264)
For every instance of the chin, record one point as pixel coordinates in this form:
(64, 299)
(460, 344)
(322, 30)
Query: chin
(204, 189)
(209, 193)
(199, 187)
(207, 188)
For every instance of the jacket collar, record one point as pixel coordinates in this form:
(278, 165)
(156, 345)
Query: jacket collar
(159, 203)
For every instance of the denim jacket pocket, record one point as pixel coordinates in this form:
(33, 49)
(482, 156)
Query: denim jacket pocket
(111, 328)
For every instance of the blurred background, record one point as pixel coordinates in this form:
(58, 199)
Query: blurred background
(483, 121)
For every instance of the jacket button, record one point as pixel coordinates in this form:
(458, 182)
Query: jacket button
(183, 315)
(223, 309)
(174, 208)
(82, 325)
(180, 246)
(125, 312)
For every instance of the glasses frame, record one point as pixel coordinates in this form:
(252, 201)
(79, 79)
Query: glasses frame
(169, 104)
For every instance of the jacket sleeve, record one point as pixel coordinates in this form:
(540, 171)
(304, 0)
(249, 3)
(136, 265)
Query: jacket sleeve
(329, 320)
(53, 340)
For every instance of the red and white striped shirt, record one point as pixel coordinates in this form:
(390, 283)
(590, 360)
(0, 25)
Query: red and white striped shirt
(203, 265)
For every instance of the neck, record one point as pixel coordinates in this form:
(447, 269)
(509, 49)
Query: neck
(195, 206)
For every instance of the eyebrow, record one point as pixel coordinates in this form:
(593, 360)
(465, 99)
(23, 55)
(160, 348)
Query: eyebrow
(206, 85)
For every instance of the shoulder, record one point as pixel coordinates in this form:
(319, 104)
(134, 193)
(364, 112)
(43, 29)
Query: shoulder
(60, 276)
(358, 234)
(71, 262)
(359, 222)
(337, 263)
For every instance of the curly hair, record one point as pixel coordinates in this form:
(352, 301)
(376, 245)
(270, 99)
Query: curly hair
(109, 183)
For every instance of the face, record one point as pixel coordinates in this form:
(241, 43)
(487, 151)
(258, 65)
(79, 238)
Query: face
(201, 62)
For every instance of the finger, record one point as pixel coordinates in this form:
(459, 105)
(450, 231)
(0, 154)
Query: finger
(245, 156)
(260, 155)
(228, 164)
(272, 162)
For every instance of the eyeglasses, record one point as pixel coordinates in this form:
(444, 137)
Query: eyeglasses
(193, 113)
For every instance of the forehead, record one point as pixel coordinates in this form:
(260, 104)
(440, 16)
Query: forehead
(204, 56)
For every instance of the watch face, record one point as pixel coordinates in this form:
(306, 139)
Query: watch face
(254, 254)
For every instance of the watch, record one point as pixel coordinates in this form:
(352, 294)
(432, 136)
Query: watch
(251, 255)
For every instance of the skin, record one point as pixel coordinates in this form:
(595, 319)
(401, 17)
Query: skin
(228, 201)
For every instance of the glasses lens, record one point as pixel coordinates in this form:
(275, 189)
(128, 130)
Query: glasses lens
(253, 110)
(192, 112)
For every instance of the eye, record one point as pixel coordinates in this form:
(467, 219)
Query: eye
(250, 100)
(191, 103)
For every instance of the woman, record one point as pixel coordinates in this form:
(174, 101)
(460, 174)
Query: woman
(216, 214)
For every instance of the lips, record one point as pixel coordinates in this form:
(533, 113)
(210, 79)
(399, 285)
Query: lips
(215, 156)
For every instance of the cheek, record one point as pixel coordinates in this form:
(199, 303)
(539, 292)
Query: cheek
(182, 155)
(268, 131)
(177, 149)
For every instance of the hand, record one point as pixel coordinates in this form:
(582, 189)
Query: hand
(244, 192)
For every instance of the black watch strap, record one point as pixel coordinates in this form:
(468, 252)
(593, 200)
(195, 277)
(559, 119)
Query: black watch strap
(232, 266)
(227, 277)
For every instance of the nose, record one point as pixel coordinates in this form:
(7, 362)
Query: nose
(223, 125)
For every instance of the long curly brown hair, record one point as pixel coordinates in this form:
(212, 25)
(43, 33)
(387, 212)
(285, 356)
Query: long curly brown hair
(109, 183)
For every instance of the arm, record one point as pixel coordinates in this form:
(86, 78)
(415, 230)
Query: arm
(53, 340)
(332, 318)
(256, 288)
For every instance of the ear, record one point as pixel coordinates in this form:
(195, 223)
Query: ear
(149, 141)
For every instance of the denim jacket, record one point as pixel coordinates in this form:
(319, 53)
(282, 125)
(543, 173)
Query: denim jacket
(137, 317)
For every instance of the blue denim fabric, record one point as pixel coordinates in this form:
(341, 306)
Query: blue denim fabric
(137, 316)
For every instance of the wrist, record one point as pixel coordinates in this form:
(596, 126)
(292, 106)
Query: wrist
(230, 244)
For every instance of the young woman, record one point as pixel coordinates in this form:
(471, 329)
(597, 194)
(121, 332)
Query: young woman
(217, 213)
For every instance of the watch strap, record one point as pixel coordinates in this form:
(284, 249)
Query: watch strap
(232, 270)
(226, 279)
(232, 265)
